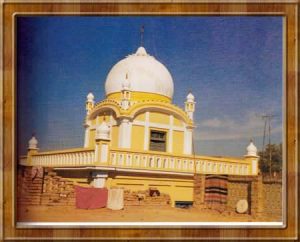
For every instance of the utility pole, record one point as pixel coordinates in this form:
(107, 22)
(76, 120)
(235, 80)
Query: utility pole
(267, 118)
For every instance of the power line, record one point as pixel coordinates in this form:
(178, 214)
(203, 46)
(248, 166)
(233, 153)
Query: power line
(267, 122)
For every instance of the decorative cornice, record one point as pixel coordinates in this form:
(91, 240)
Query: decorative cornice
(137, 106)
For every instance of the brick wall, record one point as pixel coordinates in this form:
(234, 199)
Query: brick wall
(272, 204)
(54, 190)
(29, 190)
(57, 191)
(199, 190)
(47, 190)
(237, 190)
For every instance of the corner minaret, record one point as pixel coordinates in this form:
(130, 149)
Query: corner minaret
(32, 143)
(251, 150)
(89, 104)
(190, 105)
(252, 157)
(32, 148)
(126, 93)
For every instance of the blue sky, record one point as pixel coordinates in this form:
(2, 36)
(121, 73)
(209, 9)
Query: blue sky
(233, 65)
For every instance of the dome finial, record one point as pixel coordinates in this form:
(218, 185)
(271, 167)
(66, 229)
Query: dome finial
(142, 30)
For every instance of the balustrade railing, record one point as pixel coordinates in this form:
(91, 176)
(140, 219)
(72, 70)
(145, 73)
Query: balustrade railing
(139, 160)
(23, 160)
(65, 158)
(156, 161)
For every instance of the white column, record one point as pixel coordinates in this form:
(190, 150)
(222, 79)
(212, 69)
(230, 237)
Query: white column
(86, 137)
(87, 134)
(254, 167)
(146, 134)
(104, 153)
(111, 123)
(170, 141)
(188, 141)
(97, 152)
(125, 133)
(99, 179)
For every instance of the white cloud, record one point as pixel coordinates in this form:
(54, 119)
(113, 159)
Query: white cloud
(228, 128)
(212, 123)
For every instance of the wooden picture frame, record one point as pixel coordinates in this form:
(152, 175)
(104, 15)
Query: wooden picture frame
(287, 9)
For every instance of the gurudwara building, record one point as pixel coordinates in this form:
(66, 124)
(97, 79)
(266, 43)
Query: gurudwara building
(137, 138)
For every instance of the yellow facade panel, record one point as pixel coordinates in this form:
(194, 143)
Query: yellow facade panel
(179, 190)
(177, 122)
(182, 194)
(160, 118)
(178, 139)
(137, 137)
(93, 122)
(140, 117)
(114, 136)
(140, 96)
(92, 138)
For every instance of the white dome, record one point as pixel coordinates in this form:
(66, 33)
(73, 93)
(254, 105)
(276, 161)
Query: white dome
(251, 149)
(145, 74)
(126, 83)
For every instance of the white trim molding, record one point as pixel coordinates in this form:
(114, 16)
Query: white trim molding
(125, 133)
(146, 132)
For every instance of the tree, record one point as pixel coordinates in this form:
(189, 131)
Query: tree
(276, 158)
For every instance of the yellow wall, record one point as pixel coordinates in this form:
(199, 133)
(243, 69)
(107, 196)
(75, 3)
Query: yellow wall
(178, 189)
(161, 118)
(114, 137)
(177, 122)
(92, 138)
(178, 142)
(140, 117)
(138, 132)
(137, 137)
(140, 96)
(93, 122)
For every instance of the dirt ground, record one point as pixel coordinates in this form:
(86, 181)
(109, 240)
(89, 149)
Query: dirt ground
(130, 214)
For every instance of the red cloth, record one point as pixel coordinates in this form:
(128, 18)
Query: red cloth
(90, 197)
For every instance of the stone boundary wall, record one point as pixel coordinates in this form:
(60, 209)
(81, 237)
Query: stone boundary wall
(29, 190)
(48, 190)
(273, 198)
(57, 191)
(54, 190)
(264, 196)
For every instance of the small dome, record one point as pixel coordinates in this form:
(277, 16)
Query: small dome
(146, 75)
(32, 144)
(251, 149)
(90, 97)
(190, 97)
(103, 131)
